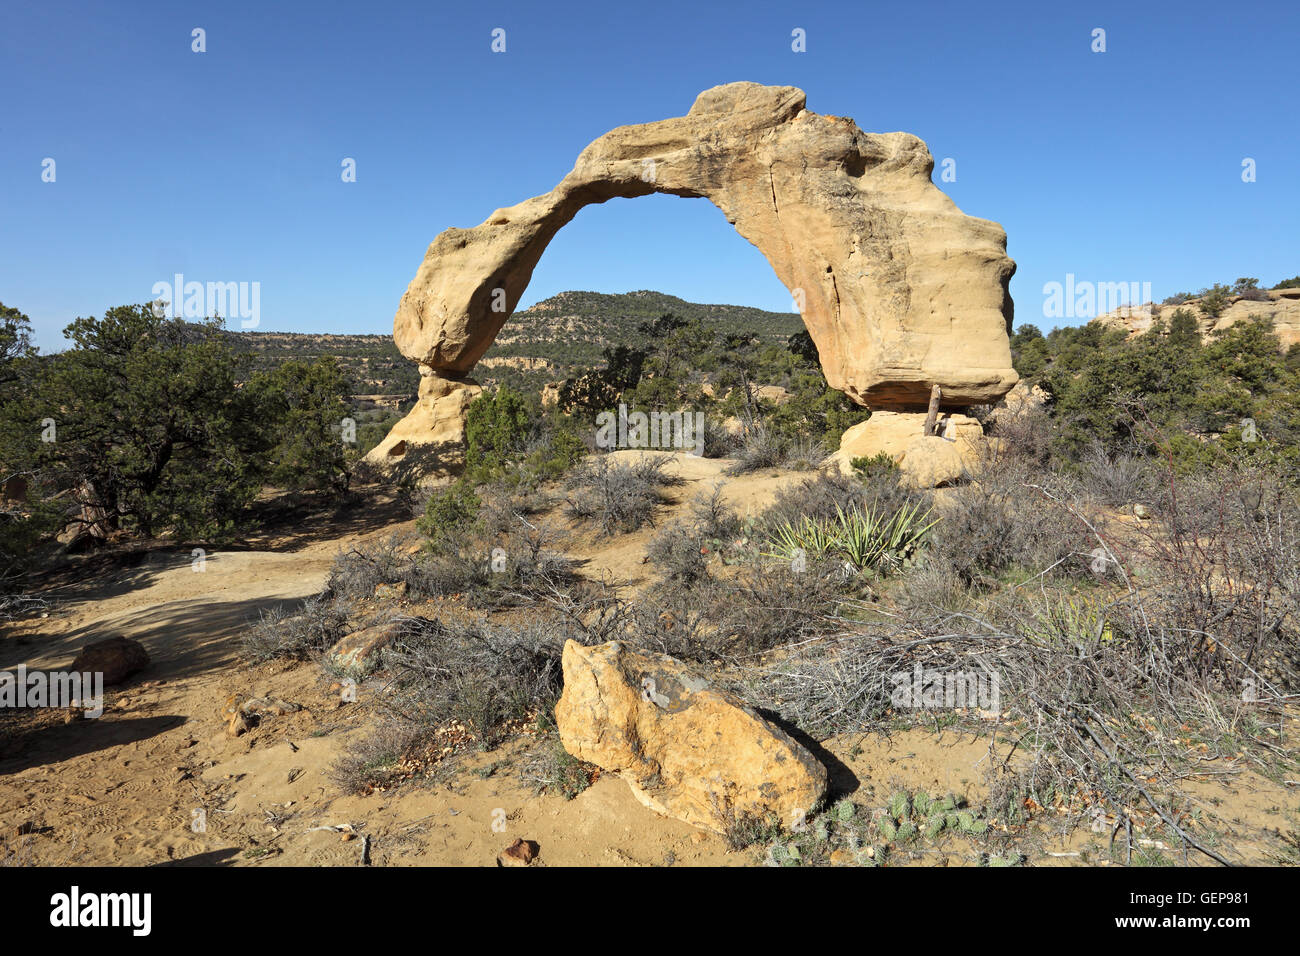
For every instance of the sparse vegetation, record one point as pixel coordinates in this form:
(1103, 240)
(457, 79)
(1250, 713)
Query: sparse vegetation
(618, 497)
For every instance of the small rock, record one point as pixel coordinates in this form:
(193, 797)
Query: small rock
(268, 707)
(360, 651)
(239, 725)
(520, 853)
(117, 658)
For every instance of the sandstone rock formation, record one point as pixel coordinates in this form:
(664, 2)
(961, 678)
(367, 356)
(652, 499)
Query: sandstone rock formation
(437, 420)
(926, 461)
(898, 288)
(1281, 307)
(688, 750)
(241, 714)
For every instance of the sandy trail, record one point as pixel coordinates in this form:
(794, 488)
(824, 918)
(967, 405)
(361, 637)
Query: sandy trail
(110, 790)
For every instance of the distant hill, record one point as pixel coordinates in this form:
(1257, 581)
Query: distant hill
(567, 333)
(371, 362)
(554, 339)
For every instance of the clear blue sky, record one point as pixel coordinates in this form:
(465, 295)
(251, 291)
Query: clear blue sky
(225, 165)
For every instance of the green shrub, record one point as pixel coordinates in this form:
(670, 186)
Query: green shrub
(1214, 300)
(496, 426)
(449, 514)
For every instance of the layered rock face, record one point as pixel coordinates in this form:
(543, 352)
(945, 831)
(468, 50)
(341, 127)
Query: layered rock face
(1279, 306)
(687, 749)
(898, 288)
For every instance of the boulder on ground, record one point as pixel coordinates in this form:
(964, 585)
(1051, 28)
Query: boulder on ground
(926, 461)
(520, 853)
(360, 650)
(687, 749)
(117, 658)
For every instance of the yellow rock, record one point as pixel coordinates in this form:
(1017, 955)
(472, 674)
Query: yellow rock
(687, 749)
(926, 461)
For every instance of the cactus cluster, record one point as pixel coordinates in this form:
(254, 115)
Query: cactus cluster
(906, 815)
(844, 827)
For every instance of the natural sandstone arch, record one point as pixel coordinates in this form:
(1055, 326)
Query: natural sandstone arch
(900, 290)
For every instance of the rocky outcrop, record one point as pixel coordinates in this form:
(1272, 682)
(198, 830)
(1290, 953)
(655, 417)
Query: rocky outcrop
(117, 658)
(898, 288)
(688, 750)
(926, 461)
(1280, 306)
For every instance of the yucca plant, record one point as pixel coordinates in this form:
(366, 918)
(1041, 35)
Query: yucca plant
(814, 538)
(864, 539)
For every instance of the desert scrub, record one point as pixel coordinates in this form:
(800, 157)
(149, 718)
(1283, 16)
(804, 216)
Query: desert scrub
(479, 674)
(1005, 522)
(682, 550)
(618, 497)
(765, 606)
(823, 496)
(357, 572)
(552, 769)
(761, 607)
(713, 517)
(318, 625)
(679, 621)
(374, 760)
(492, 573)
(758, 449)
(679, 553)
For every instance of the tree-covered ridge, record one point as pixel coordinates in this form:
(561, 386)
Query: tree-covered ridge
(1232, 391)
(572, 330)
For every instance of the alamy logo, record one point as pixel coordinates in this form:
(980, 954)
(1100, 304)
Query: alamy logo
(938, 690)
(75, 908)
(61, 689)
(677, 431)
(198, 300)
(1087, 300)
